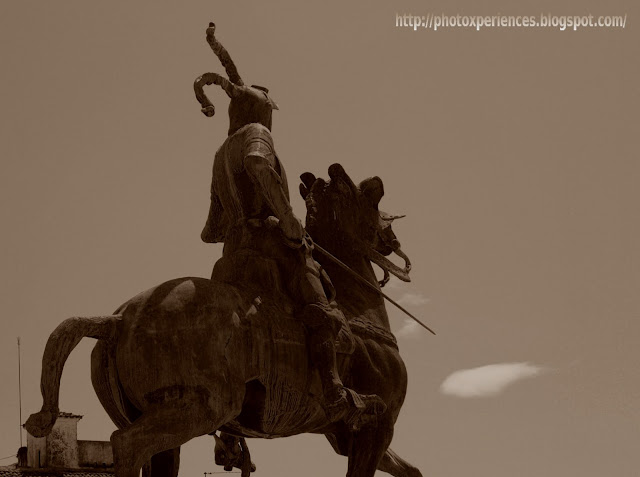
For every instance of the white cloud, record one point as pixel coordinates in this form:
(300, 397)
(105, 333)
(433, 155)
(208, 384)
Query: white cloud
(413, 299)
(488, 380)
(394, 283)
(408, 329)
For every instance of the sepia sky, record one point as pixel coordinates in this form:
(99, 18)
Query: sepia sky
(513, 153)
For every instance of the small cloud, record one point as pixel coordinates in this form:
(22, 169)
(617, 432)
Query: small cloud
(394, 283)
(408, 329)
(488, 380)
(413, 299)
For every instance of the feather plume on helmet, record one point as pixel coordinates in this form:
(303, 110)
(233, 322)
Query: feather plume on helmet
(249, 104)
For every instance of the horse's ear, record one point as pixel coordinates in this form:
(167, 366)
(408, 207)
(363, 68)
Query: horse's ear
(372, 189)
(338, 174)
(308, 180)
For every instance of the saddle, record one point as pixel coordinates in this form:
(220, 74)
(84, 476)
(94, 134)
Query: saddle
(260, 276)
(260, 279)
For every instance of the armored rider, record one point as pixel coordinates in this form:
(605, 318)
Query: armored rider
(249, 186)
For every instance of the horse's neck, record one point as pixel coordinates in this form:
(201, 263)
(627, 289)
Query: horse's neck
(355, 298)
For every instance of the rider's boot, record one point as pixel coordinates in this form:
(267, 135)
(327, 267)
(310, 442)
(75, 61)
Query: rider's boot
(340, 403)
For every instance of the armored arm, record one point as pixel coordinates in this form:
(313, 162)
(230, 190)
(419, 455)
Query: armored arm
(269, 183)
(216, 226)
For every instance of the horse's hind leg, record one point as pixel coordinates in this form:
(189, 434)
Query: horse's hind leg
(122, 412)
(395, 465)
(167, 425)
(367, 448)
(164, 464)
(391, 462)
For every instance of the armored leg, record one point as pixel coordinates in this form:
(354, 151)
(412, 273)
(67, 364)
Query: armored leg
(323, 323)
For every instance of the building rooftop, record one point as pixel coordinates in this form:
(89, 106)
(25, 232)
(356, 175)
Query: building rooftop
(68, 414)
(61, 454)
(22, 472)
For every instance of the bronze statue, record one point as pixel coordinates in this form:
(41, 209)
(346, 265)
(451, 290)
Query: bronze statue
(193, 356)
(249, 192)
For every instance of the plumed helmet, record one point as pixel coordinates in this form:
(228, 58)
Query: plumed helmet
(249, 104)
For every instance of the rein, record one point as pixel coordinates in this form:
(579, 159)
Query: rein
(365, 282)
(363, 327)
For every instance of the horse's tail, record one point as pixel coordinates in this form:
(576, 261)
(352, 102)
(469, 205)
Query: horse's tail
(59, 345)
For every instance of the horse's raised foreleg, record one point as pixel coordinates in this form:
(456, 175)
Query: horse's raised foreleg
(167, 425)
(232, 451)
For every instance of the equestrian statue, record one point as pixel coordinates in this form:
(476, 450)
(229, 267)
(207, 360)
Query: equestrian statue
(290, 334)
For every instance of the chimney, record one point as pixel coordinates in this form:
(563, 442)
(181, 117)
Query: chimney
(58, 449)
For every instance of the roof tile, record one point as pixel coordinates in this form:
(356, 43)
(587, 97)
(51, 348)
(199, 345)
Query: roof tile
(33, 472)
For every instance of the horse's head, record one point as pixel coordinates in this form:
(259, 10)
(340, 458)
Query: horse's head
(344, 218)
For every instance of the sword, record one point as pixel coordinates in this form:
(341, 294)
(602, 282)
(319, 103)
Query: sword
(364, 281)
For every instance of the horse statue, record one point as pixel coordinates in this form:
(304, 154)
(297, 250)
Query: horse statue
(193, 356)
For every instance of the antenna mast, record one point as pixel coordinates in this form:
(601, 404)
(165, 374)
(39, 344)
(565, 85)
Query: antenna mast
(20, 391)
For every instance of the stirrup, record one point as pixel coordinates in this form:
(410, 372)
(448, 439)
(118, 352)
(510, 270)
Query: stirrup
(336, 410)
(366, 407)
